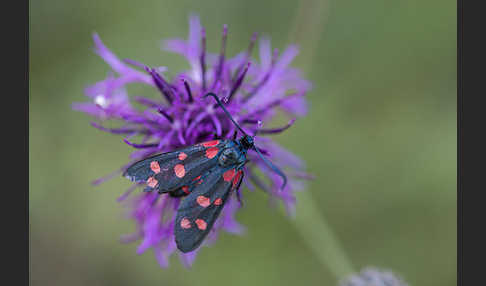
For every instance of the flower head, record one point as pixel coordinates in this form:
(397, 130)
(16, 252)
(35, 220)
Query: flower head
(252, 91)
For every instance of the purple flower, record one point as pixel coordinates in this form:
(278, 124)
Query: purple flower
(253, 91)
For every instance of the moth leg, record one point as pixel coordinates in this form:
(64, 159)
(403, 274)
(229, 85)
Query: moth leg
(148, 189)
(216, 136)
(238, 197)
(259, 183)
(243, 164)
(234, 134)
(177, 194)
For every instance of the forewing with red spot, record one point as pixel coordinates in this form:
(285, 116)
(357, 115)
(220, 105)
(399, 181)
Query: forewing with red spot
(169, 172)
(202, 207)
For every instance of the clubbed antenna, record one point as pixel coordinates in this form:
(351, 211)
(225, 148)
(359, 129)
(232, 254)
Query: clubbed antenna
(273, 167)
(225, 111)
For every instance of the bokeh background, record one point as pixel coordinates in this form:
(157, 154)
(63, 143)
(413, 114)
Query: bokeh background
(380, 139)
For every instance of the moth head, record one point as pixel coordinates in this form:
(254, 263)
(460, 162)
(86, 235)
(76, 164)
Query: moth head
(247, 142)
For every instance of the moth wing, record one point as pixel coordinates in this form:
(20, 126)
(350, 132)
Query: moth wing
(200, 209)
(173, 170)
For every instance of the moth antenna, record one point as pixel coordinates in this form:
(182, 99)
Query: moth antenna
(225, 111)
(273, 167)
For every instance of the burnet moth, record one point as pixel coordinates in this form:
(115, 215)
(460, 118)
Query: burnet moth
(203, 175)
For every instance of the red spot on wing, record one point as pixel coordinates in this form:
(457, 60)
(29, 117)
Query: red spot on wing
(185, 223)
(179, 170)
(228, 175)
(211, 152)
(210, 143)
(185, 189)
(197, 178)
(154, 165)
(237, 178)
(152, 182)
(218, 201)
(201, 224)
(182, 156)
(203, 201)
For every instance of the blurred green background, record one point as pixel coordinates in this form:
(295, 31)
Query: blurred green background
(380, 138)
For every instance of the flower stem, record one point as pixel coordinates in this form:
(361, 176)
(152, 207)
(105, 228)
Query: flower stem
(319, 236)
(307, 28)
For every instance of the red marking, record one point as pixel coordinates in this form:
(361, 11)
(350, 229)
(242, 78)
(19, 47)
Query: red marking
(154, 165)
(203, 201)
(185, 223)
(211, 152)
(228, 175)
(211, 143)
(197, 178)
(237, 178)
(179, 170)
(182, 156)
(218, 201)
(201, 224)
(152, 182)
(185, 189)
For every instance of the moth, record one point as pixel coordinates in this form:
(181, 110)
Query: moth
(203, 175)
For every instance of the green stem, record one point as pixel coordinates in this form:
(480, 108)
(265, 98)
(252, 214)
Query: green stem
(310, 223)
(307, 28)
(320, 237)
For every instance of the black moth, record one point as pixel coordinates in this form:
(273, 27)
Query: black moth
(204, 175)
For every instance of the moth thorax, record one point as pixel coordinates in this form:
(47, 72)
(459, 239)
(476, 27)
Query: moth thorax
(228, 157)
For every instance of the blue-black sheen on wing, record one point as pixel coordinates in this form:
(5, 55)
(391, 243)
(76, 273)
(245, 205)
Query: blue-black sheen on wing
(200, 209)
(176, 170)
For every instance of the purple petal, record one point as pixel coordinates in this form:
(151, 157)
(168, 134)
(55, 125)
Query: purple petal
(127, 192)
(265, 53)
(194, 40)
(296, 105)
(89, 108)
(286, 58)
(128, 238)
(108, 56)
(229, 222)
(161, 257)
(276, 130)
(175, 46)
(187, 259)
